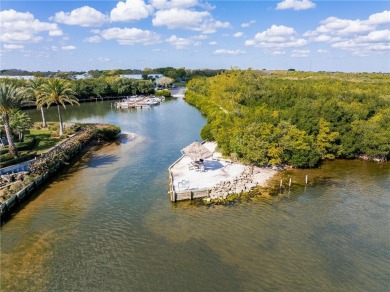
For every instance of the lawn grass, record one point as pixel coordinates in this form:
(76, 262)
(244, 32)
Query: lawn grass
(44, 140)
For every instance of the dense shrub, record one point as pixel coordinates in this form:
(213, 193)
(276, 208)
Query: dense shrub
(163, 92)
(296, 118)
(27, 144)
(107, 132)
(7, 160)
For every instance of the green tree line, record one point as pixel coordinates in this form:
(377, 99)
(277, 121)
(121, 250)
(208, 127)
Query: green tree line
(295, 118)
(44, 92)
(97, 87)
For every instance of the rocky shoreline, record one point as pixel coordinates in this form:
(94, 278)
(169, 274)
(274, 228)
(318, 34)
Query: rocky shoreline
(252, 177)
(49, 163)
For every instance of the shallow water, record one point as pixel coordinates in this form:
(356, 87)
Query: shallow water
(106, 223)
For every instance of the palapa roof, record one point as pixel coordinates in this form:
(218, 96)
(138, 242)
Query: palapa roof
(196, 151)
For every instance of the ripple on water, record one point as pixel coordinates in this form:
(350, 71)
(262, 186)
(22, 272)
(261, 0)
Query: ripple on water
(107, 224)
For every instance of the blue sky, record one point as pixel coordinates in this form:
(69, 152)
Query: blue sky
(349, 36)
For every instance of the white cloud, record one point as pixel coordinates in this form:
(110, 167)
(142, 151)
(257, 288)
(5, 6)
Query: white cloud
(101, 59)
(11, 47)
(228, 52)
(211, 26)
(300, 53)
(181, 43)
(131, 36)
(277, 36)
(238, 34)
(380, 18)
(22, 27)
(212, 43)
(380, 36)
(322, 51)
(248, 24)
(200, 37)
(179, 18)
(165, 4)
(131, 10)
(83, 16)
(295, 5)
(278, 53)
(337, 26)
(93, 39)
(68, 48)
(322, 38)
(57, 32)
(380, 47)
(357, 36)
(54, 48)
(274, 33)
(169, 4)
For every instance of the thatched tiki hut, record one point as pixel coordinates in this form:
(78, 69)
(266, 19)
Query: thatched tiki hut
(196, 151)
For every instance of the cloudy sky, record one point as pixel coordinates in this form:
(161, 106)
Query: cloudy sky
(302, 34)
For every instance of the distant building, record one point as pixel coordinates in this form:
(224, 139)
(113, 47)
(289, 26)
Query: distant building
(25, 77)
(139, 76)
(81, 76)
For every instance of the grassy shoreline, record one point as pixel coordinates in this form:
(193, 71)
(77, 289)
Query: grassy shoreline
(54, 158)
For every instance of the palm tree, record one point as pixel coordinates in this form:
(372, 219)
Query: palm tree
(9, 100)
(59, 92)
(34, 90)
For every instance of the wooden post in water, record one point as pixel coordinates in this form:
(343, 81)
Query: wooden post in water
(289, 182)
(306, 179)
(281, 183)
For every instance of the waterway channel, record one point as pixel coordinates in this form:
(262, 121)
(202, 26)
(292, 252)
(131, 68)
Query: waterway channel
(106, 223)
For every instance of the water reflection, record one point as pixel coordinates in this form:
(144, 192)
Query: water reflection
(107, 223)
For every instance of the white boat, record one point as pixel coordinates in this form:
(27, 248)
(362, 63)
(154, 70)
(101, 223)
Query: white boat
(138, 102)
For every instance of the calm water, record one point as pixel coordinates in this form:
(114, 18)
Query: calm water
(106, 224)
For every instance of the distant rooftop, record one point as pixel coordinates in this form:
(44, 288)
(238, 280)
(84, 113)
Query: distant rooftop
(139, 76)
(25, 77)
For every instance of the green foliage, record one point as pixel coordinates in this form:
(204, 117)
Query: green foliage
(58, 92)
(294, 117)
(107, 132)
(20, 123)
(27, 144)
(206, 134)
(111, 86)
(7, 160)
(16, 187)
(10, 99)
(61, 154)
(163, 92)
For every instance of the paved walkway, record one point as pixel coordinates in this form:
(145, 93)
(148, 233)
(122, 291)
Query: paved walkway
(215, 171)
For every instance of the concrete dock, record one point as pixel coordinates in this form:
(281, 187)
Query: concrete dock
(187, 182)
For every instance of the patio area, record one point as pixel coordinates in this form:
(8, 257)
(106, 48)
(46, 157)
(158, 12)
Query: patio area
(194, 176)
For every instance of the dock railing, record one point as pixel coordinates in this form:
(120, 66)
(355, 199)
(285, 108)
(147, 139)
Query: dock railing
(171, 191)
(185, 194)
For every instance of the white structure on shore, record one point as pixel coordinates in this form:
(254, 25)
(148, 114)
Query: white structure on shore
(25, 77)
(217, 178)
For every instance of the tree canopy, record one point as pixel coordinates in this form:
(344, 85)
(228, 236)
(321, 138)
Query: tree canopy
(298, 118)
